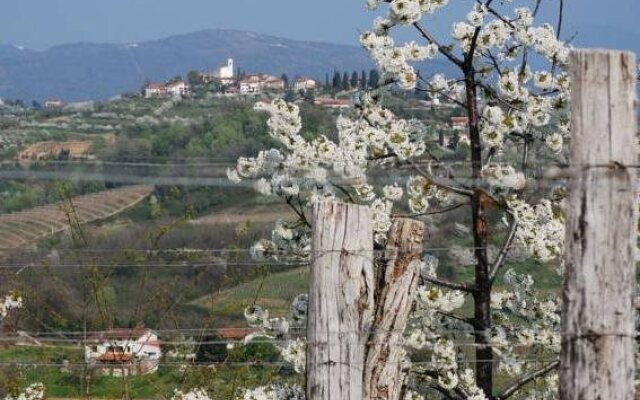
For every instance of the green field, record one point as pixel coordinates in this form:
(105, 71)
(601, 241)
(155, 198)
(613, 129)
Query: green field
(273, 291)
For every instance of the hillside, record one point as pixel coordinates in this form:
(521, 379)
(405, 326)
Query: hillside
(95, 71)
(27, 227)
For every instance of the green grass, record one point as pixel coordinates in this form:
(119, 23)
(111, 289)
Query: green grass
(273, 291)
(65, 383)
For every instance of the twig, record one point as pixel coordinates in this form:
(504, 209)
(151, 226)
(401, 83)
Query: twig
(435, 181)
(441, 211)
(513, 389)
(447, 53)
(502, 255)
(450, 285)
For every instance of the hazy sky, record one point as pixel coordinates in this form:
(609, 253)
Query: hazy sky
(43, 23)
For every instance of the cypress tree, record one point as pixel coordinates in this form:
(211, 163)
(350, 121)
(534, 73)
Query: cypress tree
(363, 80)
(345, 81)
(374, 78)
(355, 81)
(337, 81)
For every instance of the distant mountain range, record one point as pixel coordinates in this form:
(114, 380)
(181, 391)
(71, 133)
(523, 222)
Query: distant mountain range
(84, 71)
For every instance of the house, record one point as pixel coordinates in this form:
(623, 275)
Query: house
(124, 351)
(231, 91)
(304, 83)
(258, 83)
(250, 84)
(328, 102)
(459, 123)
(54, 104)
(273, 83)
(154, 90)
(177, 89)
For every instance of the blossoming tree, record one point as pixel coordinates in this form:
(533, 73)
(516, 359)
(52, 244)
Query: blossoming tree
(511, 84)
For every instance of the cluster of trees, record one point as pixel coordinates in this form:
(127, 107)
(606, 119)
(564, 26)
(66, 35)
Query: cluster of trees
(347, 81)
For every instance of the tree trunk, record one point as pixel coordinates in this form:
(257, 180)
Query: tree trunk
(340, 301)
(397, 287)
(482, 293)
(597, 358)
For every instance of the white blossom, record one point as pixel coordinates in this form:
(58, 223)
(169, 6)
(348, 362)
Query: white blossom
(35, 391)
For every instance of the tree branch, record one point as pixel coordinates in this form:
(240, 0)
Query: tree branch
(450, 285)
(517, 385)
(468, 321)
(299, 212)
(444, 51)
(437, 182)
(345, 191)
(502, 255)
(441, 211)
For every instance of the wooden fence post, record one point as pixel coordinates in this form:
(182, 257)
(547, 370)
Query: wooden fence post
(340, 300)
(395, 295)
(597, 357)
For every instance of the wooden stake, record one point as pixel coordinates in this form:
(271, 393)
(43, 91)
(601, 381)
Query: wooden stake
(395, 296)
(340, 301)
(597, 358)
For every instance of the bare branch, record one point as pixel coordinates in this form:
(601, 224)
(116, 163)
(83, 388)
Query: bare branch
(441, 211)
(443, 50)
(502, 255)
(439, 183)
(299, 212)
(344, 191)
(468, 321)
(450, 285)
(533, 375)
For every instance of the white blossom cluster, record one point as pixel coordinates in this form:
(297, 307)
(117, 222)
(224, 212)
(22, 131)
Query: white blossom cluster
(308, 171)
(540, 333)
(10, 302)
(274, 392)
(516, 106)
(35, 391)
(503, 176)
(540, 228)
(295, 353)
(194, 394)
(423, 193)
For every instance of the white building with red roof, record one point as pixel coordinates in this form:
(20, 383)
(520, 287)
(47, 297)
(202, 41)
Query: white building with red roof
(124, 351)
(154, 90)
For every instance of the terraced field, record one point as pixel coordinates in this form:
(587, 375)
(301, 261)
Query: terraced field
(27, 227)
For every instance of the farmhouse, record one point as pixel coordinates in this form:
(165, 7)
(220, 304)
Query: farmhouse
(303, 83)
(54, 104)
(175, 89)
(124, 351)
(154, 90)
(459, 123)
(258, 83)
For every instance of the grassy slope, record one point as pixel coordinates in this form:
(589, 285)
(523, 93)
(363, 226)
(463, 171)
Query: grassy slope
(272, 291)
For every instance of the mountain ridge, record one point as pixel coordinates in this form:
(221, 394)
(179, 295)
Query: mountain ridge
(83, 70)
(92, 71)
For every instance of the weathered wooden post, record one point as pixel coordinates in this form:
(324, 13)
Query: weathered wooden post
(597, 358)
(340, 300)
(395, 295)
